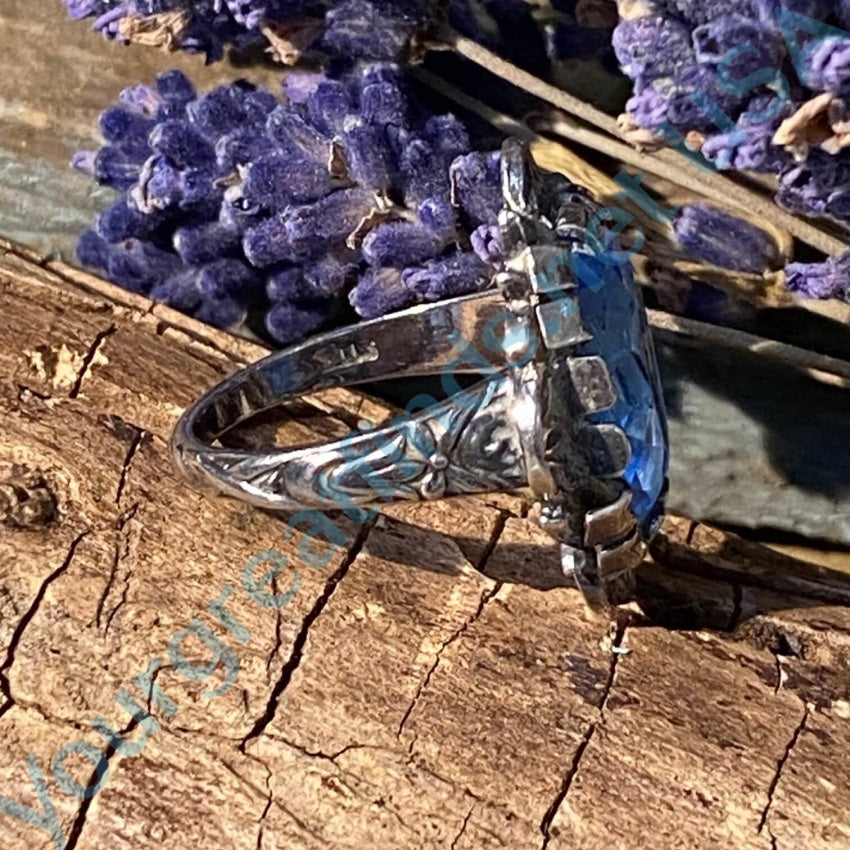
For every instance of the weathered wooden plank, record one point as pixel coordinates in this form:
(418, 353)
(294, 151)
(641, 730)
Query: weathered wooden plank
(434, 685)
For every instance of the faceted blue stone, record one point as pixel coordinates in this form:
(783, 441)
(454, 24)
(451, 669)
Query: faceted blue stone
(611, 310)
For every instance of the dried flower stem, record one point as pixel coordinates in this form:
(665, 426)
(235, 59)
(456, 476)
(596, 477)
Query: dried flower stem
(665, 163)
(830, 370)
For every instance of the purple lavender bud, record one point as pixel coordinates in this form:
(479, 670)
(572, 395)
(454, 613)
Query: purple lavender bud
(267, 242)
(830, 279)
(285, 284)
(219, 110)
(179, 291)
(175, 87)
(117, 168)
(230, 278)
(287, 323)
(487, 243)
(184, 146)
(327, 221)
(328, 106)
(92, 250)
(142, 100)
(714, 236)
(827, 62)
(299, 85)
(448, 277)
(383, 103)
(239, 147)
(199, 188)
(202, 243)
(123, 221)
(277, 180)
(78, 9)
(818, 186)
(380, 291)
(258, 105)
(765, 10)
(138, 265)
(373, 73)
(121, 126)
(296, 136)
(447, 134)
(368, 157)
(246, 12)
(685, 109)
(715, 40)
(650, 47)
(400, 243)
(221, 312)
(159, 186)
(648, 106)
(361, 29)
(423, 171)
(477, 187)
(329, 274)
(84, 162)
(439, 217)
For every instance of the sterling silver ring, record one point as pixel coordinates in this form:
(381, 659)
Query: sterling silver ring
(568, 406)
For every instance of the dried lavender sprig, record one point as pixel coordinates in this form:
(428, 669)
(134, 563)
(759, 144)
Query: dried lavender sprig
(233, 204)
(714, 236)
(709, 52)
(350, 29)
(829, 279)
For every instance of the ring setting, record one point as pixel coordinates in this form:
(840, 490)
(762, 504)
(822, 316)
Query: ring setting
(568, 406)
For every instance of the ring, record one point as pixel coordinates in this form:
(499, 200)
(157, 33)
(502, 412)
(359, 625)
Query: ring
(568, 404)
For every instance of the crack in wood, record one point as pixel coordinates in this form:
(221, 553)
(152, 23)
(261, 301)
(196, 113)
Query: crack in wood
(82, 813)
(89, 357)
(26, 619)
(261, 823)
(764, 825)
(499, 524)
(300, 641)
(463, 826)
(566, 784)
(271, 800)
(624, 618)
(278, 631)
(120, 553)
(318, 754)
(140, 435)
(485, 597)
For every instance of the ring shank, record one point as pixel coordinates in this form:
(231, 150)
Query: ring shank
(398, 462)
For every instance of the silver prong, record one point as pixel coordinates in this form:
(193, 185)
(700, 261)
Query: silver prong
(592, 383)
(560, 323)
(611, 523)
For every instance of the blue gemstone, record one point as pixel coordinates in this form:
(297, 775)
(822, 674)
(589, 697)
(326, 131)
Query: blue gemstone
(611, 310)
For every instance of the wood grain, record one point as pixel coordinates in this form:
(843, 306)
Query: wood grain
(434, 685)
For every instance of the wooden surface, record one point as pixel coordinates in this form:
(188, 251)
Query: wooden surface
(433, 686)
